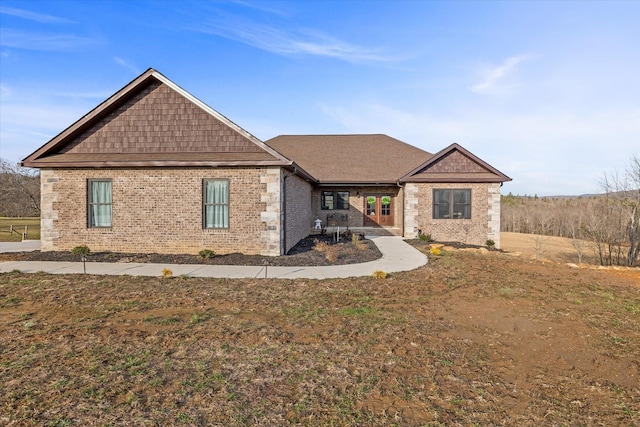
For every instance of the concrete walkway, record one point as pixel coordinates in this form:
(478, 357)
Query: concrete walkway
(24, 246)
(397, 255)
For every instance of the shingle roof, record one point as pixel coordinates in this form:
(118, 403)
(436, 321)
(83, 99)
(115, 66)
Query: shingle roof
(150, 121)
(345, 159)
(455, 164)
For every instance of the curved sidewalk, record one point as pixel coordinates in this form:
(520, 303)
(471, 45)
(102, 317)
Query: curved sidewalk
(397, 255)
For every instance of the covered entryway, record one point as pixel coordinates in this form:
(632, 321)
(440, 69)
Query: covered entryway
(378, 209)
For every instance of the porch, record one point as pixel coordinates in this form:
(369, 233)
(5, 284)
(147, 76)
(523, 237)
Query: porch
(367, 231)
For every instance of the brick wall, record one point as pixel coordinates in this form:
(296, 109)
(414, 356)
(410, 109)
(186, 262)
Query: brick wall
(160, 210)
(485, 214)
(298, 216)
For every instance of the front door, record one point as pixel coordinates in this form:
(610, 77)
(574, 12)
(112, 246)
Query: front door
(378, 210)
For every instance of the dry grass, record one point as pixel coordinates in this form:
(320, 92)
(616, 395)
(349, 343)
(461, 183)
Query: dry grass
(360, 245)
(557, 249)
(321, 246)
(466, 340)
(331, 252)
(33, 229)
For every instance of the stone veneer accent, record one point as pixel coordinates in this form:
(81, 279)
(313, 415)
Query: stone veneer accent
(485, 214)
(160, 210)
(48, 196)
(271, 235)
(494, 214)
(411, 204)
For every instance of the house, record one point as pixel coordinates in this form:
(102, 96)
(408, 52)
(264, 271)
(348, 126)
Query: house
(154, 169)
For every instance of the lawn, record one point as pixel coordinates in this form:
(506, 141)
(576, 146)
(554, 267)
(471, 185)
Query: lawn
(467, 340)
(33, 229)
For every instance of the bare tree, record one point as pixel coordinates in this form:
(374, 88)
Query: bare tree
(575, 226)
(543, 221)
(610, 220)
(19, 190)
(624, 191)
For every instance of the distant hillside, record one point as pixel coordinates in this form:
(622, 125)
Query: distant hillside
(581, 196)
(600, 218)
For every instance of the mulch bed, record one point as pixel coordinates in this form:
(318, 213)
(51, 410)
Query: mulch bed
(304, 253)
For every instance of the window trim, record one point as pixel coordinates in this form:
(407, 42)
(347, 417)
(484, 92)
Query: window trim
(205, 204)
(91, 203)
(334, 196)
(451, 203)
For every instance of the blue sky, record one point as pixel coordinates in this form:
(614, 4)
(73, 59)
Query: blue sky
(547, 92)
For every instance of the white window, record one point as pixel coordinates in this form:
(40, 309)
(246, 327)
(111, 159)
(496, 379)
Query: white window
(100, 203)
(216, 203)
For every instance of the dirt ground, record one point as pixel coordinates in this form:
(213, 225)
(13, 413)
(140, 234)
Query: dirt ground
(470, 339)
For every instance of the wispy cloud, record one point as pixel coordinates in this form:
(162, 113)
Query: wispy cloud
(260, 6)
(33, 16)
(5, 90)
(135, 70)
(44, 41)
(25, 127)
(292, 42)
(496, 79)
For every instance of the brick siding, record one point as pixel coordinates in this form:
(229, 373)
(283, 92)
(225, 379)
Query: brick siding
(160, 210)
(298, 216)
(485, 214)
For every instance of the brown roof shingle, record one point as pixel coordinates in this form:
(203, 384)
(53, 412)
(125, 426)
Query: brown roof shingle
(344, 159)
(455, 164)
(152, 120)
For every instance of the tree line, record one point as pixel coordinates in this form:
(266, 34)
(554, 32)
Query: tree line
(19, 190)
(611, 220)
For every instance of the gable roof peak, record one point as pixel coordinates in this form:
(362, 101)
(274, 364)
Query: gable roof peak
(158, 115)
(467, 167)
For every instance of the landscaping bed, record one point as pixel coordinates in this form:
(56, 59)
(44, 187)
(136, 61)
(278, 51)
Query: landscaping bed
(312, 251)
